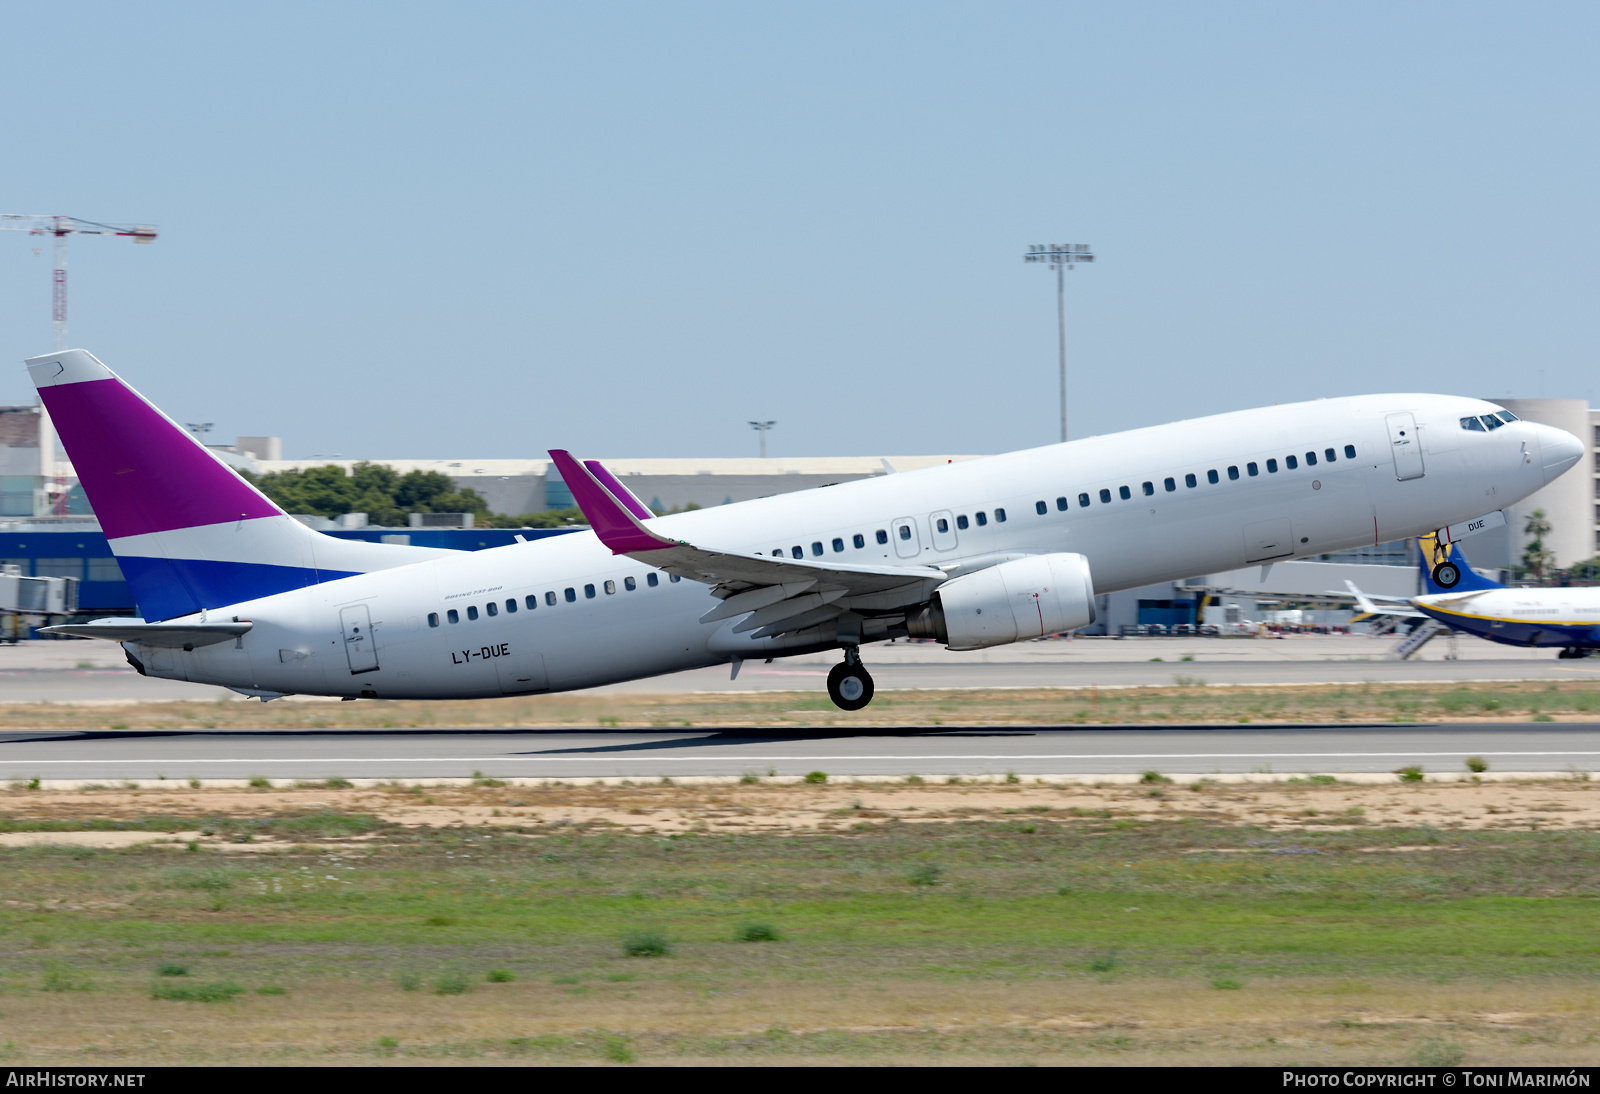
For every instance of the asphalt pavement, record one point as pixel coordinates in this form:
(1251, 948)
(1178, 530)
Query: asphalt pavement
(557, 754)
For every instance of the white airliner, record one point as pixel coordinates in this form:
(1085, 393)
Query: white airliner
(235, 592)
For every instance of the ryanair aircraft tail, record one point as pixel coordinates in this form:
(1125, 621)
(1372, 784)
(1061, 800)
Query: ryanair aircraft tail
(1445, 569)
(188, 532)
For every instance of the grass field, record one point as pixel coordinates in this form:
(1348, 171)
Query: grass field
(1307, 923)
(1187, 701)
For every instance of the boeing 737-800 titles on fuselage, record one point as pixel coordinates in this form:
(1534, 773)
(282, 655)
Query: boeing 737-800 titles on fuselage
(235, 592)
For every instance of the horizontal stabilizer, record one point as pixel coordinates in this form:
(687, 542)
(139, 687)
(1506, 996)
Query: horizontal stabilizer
(185, 636)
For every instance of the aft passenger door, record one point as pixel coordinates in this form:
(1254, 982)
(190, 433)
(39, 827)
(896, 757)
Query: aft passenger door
(1405, 445)
(359, 649)
(906, 543)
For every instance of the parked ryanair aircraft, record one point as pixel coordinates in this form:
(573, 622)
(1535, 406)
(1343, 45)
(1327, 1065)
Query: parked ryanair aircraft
(1461, 598)
(235, 592)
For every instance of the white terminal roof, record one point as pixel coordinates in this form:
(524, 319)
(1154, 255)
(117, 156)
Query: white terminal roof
(794, 465)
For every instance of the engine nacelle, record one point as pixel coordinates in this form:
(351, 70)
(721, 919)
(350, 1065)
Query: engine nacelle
(1012, 602)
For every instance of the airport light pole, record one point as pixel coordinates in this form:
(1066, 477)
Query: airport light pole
(761, 428)
(1061, 257)
(199, 429)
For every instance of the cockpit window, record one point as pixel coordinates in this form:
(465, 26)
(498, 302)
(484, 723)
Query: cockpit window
(1472, 424)
(1492, 421)
(1508, 417)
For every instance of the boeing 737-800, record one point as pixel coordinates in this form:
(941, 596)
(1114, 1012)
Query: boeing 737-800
(235, 592)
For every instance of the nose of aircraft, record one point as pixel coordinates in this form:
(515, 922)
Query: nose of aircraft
(1560, 450)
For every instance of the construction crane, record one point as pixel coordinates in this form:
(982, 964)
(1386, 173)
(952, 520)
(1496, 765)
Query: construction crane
(61, 227)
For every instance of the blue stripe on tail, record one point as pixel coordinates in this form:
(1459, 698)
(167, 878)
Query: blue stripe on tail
(165, 588)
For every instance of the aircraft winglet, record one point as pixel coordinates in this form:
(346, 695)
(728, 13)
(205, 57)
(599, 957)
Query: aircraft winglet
(629, 500)
(612, 520)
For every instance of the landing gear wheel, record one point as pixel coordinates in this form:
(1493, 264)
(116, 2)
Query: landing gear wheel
(1446, 575)
(850, 686)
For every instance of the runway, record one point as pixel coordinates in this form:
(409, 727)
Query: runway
(96, 672)
(557, 754)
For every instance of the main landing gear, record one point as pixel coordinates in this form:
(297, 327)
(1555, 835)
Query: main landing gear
(849, 683)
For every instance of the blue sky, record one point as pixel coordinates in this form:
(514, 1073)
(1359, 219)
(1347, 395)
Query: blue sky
(485, 230)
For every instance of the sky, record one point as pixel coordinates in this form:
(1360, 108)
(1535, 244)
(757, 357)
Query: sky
(485, 230)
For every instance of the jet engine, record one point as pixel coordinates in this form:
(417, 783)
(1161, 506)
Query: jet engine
(1017, 600)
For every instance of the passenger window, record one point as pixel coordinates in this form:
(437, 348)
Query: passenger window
(452, 616)
(511, 606)
(1290, 463)
(944, 525)
(492, 608)
(1330, 455)
(778, 553)
(652, 579)
(1349, 451)
(1272, 467)
(1148, 488)
(1211, 476)
(1124, 493)
(1472, 425)
(999, 516)
(1170, 483)
(1061, 504)
(611, 588)
(1083, 500)
(550, 598)
(472, 611)
(797, 552)
(816, 547)
(983, 518)
(1190, 481)
(1492, 421)
(905, 531)
(1041, 508)
(674, 578)
(630, 584)
(1233, 473)
(859, 540)
(433, 619)
(1105, 496)
(838, 545)
(961, 522)
(1311, 459)
(588, 592)
(531, 601)
(883, 537)
(571, 594)
(1251, 469)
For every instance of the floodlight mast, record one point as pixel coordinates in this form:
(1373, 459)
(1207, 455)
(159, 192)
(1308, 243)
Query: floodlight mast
(60, 228)
(761, 428)
(1061, 258)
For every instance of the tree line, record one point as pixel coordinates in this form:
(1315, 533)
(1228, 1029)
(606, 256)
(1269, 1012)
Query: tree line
(387, 496)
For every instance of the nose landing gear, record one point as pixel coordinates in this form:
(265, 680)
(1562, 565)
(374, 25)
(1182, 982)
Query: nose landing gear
(849, 683)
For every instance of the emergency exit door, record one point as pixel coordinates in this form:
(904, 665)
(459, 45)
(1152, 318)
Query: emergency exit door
(359, 649)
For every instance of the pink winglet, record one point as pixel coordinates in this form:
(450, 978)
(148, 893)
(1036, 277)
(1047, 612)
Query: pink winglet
(611, 521)
(629, 501)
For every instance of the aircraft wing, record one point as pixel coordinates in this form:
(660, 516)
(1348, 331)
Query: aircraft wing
(1381, 605)
(782, 593)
